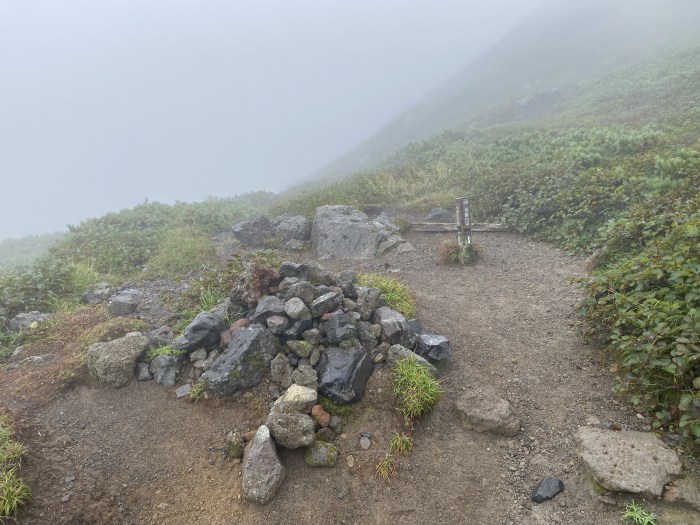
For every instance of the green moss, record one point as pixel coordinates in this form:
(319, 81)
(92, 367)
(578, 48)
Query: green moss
(162, 350)
(333, 409)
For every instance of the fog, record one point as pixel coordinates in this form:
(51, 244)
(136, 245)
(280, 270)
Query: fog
(105, 104)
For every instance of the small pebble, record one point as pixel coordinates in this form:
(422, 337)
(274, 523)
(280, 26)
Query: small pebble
(69, 479)
(66, 498)
(351, 461)
(365, 443)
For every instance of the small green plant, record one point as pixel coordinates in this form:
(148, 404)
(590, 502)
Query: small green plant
(209, 297)
(162, 350)
(417, 390)
(386, 467)
(13, 491)
(197, 392)
(400, 444)
(333, 409)
(396, 294)
(638, 515)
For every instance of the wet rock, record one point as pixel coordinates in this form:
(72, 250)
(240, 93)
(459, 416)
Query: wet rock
(114, 362)
(393, 324)
(267, 307)
(627, 461)
(262, 471)
(366, 335)
(339, 327)
(298, 328)
(321, 454)
(483, 410)
(326, 303)
(204, 330)
(124, 302)
(164, 369)
(296, 309)
(343, 374)
(547, 489)
(435, 348)
(245, 361)
(397, 352)
(368, 300)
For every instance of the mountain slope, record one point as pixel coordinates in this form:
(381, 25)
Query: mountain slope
(560, 46)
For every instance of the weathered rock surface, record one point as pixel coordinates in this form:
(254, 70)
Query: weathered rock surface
(305, 376)
(244, 362)
(164, 369)
(343, 232)
(143, 372)
(482, 409)
(124, 302)
(114, 362)
(321, 454)
(326, 303)
(396, 352)
(281, 371)
(297, 398)
(296, 309)
(277, 324)
(26, 319)
(255, 232)
(291, 429)
(547, 489)
(290, 227)
(97, 293)
(303, 290)
(262, 471)
(235, 445)
(267, 307)
(339, 327)
(205, 330)
(343, 374)
(368, 300)
(627, 461)
(684, 490)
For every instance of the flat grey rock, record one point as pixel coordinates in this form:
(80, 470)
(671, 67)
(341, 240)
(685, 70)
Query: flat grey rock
(627, 461)
(482, 409)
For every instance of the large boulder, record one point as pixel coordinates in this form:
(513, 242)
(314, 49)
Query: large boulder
(124, 302)
(628, 461)
(339, 327)
(262, 471)
(97, 293)
(255, 232)
(343, 374)
(205, 330)
(27, 319)
(114, 362)
(482, 409)
(245, 361)
(343, 232)
(290, 227)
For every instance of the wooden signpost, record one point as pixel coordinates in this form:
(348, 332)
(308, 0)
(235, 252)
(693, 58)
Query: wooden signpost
(464, 230)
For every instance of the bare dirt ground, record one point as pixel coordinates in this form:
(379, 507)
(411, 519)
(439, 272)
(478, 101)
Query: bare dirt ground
(140, 456)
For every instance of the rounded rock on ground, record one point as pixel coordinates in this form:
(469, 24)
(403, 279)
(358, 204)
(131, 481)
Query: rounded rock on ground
(321, 454)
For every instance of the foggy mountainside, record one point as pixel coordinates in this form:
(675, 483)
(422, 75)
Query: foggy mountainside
(548, 53)
(576, 138)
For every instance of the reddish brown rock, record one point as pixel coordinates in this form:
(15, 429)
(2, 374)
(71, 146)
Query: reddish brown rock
(322, 417)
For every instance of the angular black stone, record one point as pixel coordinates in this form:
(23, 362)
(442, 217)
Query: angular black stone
(267, 307)
(290, 269)
(326, 303)
(547, 489)
(203, 331)
(298, 328)
(343, 374)
(339, 327)
(433, 347)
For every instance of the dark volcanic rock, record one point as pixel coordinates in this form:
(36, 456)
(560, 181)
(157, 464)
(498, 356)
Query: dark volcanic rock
(125, 302)
(547, 489)
(343, 374)
(368, 300)
(205, 330)
(339, 327)
(298, 328)
(393, 324)
(164, 369)
(24, 320)
(326, 303)
(303, 290)
(267, 307)
(433, 347)
(244, 362)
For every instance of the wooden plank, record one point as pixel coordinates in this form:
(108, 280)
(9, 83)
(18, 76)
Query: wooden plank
(449, 227)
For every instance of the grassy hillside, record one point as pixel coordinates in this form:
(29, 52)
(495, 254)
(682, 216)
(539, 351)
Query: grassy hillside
(564, 44)
(616, 166)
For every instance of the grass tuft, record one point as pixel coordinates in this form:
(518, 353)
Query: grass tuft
(417, 390)
(400, 444)
(162, 350)
(197, 392)
(638, 515)
(386, 467)
(396, 294)
(13, 491)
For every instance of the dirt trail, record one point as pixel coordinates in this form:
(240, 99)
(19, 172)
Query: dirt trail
(139, 456)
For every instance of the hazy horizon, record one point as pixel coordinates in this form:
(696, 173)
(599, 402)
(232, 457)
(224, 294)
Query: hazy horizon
(112, 103)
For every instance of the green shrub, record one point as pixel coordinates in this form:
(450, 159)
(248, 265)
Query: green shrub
(396, 294)
(418, 391)
(181, 251)
(162, 350)
(13, 491)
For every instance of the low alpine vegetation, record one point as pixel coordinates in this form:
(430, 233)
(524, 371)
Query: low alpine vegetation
(418, 391)
(386, 467)
(396, 294)
(400, 444)
(162, 350)
(13, 491)
(638, 515)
